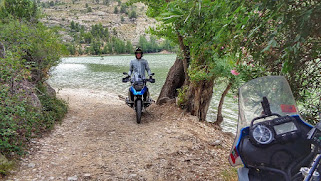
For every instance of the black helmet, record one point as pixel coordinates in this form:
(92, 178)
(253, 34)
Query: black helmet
(138, 50)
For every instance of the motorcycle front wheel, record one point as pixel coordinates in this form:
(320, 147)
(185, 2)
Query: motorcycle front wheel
(138, 110)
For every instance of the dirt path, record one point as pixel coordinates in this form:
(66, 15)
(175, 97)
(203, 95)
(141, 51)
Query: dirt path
(100, 140)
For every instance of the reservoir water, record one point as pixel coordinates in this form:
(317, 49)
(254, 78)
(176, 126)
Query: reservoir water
(105, 73)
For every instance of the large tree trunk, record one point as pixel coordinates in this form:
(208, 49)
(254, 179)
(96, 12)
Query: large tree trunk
(198, 95)
(186, 59)
(199, 98)
(177, 75)
(219, 117)
(175, 79)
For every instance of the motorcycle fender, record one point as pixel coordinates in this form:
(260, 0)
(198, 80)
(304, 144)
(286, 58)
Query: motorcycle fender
(243, 174)
(142, 92)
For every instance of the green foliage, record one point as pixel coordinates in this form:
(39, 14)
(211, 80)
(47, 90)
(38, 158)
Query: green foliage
(95, 48)
(133, 14)
(38, 46)
(105, 50)
(116, 10)
(143, 43)
(99, 32)
(168, 45)
(99, 39)
(31, 50)
(152, 46)
(106, 2)
(119, 45)
(75, 26)
(89, 10)
(53, 109)
(123, 8)
(129, 47)
(110, 48)
(71, 48)
(209, 29)
(284, 38)
(5, 165)
(87, 37)
(20, 9)
(281, 37)
(181, 98)
(20, 121)
(119, 2)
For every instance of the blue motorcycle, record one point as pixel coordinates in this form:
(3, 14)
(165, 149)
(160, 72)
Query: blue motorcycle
(138, 94)
(272, 141)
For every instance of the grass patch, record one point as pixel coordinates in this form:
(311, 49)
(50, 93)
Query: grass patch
(5, 165)
(230, 174)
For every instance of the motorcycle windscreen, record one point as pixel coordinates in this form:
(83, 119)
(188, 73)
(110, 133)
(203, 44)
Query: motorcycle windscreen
(278, 92)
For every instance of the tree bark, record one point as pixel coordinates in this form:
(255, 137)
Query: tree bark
(219, 117)
(199, 98)
(175, 79)
(186, 59)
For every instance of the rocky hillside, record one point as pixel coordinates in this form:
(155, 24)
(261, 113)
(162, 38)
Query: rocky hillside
(126, 22)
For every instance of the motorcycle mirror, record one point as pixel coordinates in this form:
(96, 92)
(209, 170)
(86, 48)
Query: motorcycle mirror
(266, 106)
(125, 73)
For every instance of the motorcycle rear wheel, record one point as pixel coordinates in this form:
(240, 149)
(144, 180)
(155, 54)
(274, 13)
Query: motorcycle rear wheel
(138, 111)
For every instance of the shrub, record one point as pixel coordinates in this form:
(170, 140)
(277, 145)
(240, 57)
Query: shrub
(133, 15)
(89, 10)
(38, 46)
(116, 10)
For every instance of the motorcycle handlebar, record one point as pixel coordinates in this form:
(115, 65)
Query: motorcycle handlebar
(127, 79)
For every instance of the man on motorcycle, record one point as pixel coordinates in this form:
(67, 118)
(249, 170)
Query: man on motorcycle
(137, 70)
(138, 66)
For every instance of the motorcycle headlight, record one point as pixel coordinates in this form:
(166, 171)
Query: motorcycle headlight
(262, 134)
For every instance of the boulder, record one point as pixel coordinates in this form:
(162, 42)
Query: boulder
(30, 91)
(50, 91)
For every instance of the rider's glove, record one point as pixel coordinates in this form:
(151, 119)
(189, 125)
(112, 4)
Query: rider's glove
(151, 80)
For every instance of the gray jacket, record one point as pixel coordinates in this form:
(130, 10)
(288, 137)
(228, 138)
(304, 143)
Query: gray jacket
(137, 67)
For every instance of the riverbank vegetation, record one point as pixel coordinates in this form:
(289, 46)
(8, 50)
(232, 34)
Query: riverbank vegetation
(237, 41)
(28, 105)
(99, 40)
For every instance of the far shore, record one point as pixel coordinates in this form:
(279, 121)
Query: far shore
(164, 52)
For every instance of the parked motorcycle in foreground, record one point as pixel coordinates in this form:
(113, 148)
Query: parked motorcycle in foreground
(138, 95)
(272, 141)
